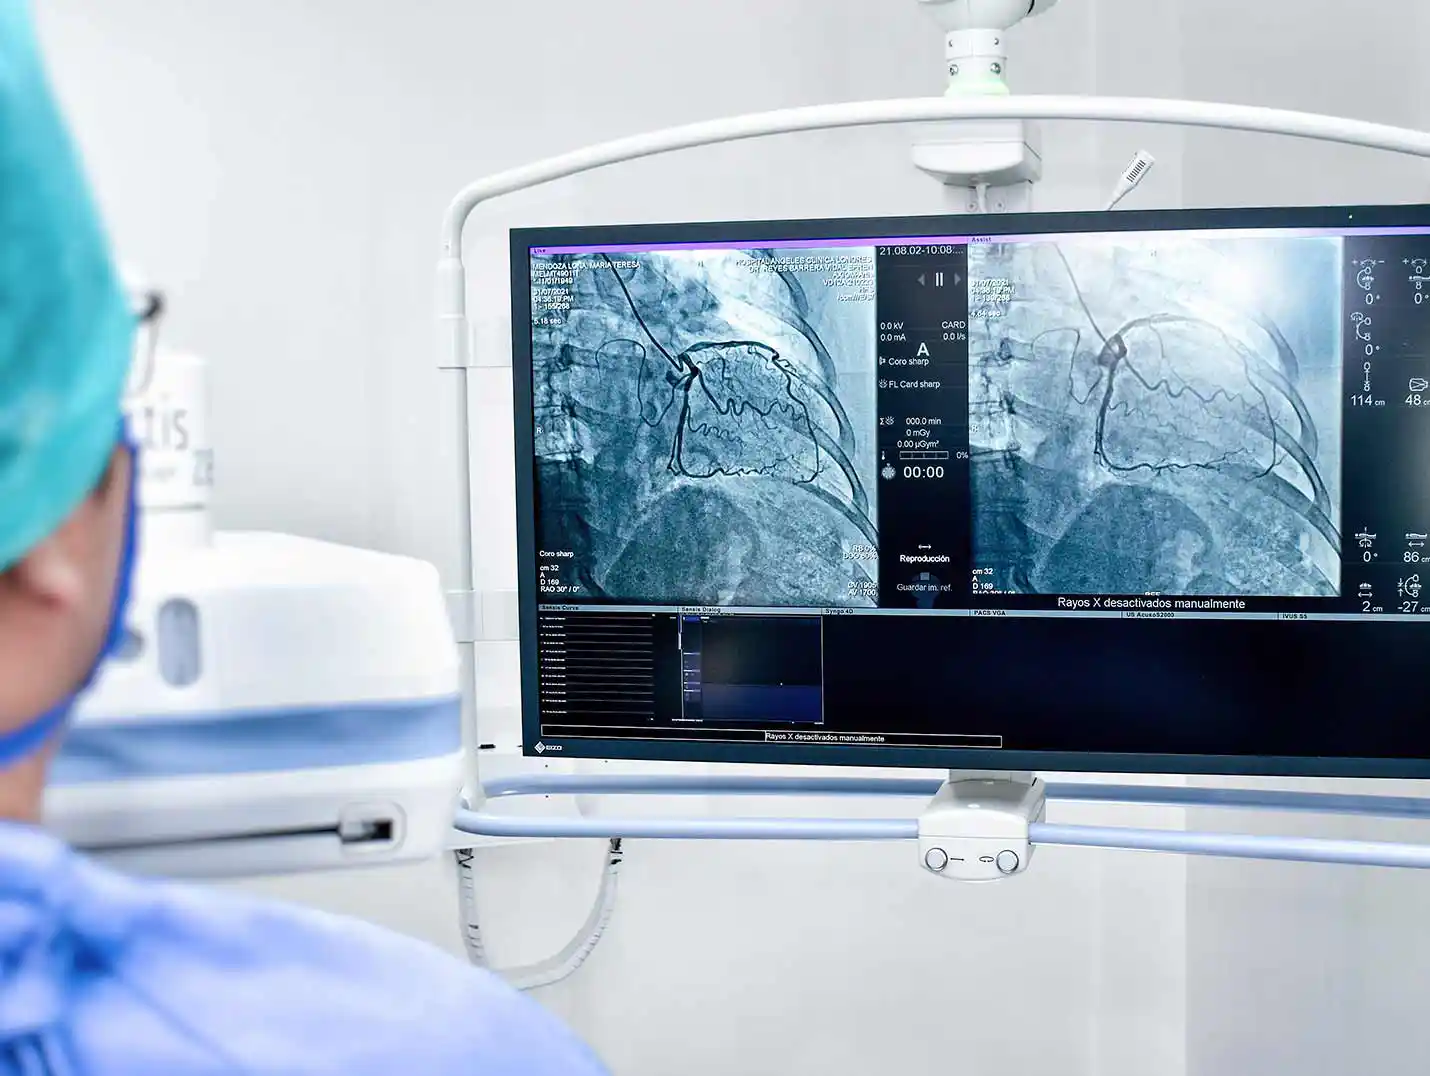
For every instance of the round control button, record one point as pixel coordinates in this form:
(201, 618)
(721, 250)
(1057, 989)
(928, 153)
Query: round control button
(936, 859)
(1007, 862)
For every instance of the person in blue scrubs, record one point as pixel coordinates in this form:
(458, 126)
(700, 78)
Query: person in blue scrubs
(101, 973)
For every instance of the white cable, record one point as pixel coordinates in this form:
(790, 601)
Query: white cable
(1131, 178)
(571, 956)
(981, 192)
(471, 927)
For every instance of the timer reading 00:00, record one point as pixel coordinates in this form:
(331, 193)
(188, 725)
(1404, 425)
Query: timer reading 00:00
(923, 472)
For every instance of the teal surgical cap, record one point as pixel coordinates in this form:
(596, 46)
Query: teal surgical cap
(66, 329)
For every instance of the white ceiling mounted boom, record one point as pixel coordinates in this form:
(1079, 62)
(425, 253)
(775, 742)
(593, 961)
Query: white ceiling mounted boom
(976, 34)
(995, 161)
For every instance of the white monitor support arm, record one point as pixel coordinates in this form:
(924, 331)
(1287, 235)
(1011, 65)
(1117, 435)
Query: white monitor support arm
(990, 165)
(1019, 803)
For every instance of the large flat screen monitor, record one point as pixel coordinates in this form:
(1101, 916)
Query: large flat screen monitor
(1138, 491)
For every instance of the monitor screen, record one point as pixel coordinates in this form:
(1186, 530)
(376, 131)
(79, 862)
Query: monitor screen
(1139, 491)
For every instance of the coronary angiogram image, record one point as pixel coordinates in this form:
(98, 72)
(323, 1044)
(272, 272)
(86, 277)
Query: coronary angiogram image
(704, 424)
(1157, 414)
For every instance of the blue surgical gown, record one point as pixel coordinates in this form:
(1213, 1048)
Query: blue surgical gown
(102, 974)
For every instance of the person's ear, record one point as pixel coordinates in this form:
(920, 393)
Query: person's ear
(51, 575)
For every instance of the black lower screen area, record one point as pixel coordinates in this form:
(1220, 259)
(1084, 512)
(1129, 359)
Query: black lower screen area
(1260, 688)
(1134, 687)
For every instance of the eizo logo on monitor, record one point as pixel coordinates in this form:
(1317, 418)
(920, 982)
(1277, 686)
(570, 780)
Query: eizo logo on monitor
(542, 748)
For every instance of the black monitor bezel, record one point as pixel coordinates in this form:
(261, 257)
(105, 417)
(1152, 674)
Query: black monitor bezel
(524, 239)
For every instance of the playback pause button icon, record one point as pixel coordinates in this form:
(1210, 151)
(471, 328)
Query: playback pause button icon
(938, 280)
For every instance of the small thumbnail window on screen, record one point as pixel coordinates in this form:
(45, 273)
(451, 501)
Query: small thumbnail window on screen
(752, 669)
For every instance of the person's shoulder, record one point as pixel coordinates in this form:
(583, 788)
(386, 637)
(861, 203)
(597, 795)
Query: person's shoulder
(295, 990)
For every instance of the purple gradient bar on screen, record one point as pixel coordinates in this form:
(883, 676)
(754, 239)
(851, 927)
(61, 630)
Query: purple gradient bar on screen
(947, 240)
(765, 244)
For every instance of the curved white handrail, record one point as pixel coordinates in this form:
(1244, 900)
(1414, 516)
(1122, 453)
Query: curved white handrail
(487, 823)
(1155, 110)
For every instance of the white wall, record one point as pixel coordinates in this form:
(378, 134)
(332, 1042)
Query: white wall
(1305, 969)
(283, 167)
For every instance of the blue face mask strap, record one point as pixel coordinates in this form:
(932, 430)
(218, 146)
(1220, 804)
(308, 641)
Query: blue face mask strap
(29, 738)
